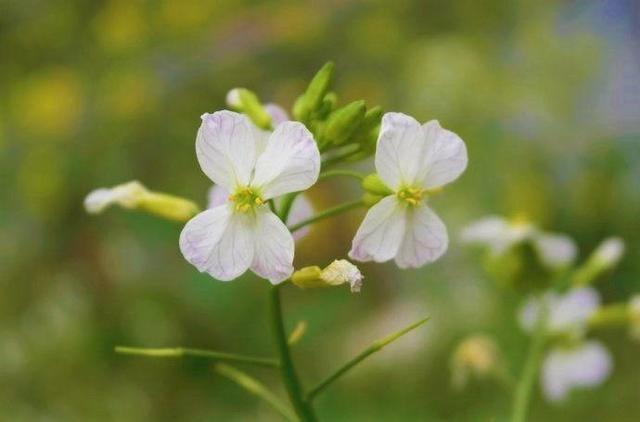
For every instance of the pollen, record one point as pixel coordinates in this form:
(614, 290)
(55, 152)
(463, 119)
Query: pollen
(411, 195)
(246, 199)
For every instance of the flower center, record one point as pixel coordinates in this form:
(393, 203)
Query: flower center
(411, 195)
(246, 199)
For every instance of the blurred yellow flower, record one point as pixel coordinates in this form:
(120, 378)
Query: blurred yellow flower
(54, 97)
(121, 25)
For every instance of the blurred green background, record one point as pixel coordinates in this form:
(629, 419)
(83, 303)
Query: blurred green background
(546, 95)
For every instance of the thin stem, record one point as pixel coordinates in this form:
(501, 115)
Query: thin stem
(178, 352)
(255, 387)
(524, 388)
(290, 378)
(330, 212)
(375, 347)
(346, 173)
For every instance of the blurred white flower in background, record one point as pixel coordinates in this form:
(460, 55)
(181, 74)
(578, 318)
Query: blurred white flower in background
(499, 234)
(413, 160)
(572, 362)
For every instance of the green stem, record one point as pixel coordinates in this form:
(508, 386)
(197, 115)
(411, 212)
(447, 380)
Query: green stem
(346, 173)
(375, 347)
(338, 158)
(301, 406)
(255, 387)
(178, 352)
(327, 213)
(525, 385)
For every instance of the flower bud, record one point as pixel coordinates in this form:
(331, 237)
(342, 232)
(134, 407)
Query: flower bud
(337, 273)
(476, 356)
(374, 185)
(343, 122)
(370, 199)
(133, 195)
(312, 98)
(604, 258)
(247, 102)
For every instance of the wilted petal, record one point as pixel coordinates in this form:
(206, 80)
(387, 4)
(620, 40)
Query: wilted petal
(289, 163)
(219, 242)
(226, 148)
(586, 365)
(425, 238)
(274, 248)
(555, 250)
(380, 234)
(446, 156)
(401, 151)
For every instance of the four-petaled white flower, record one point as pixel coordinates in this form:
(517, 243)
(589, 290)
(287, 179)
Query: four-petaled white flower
(580, 364)
(243, 233)
(413, 160)
(499, 234)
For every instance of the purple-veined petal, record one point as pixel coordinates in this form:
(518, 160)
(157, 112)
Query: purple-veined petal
(219, 242)
(216, 196)
(425, 238)
(226, 148)
(401, 151)
(277, 113)
(380, 235)
(274, 248)
(289, 163)
(446, 156)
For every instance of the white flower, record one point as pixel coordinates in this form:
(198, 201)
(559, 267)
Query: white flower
(609, 252)
(585, 365)
(499, 234)
(342, 271)
(413, 160)
(301, 209)
(565, 313)
(243, 233)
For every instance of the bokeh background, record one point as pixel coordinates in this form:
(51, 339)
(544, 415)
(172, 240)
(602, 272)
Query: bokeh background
(546, 95)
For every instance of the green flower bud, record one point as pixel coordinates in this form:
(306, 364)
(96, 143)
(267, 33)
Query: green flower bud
(374, 185)
(311, 100)
(370, 199)
(343, 123)
(604, 258)
(247, 102)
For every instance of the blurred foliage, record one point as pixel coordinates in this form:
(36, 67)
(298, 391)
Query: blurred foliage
(98, 93)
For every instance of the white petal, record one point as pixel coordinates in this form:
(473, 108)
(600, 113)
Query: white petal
(226, 148)
(555, 250)
(609, 252)
(573, 309)
(380, 234)
(289, 163)
(446, 155)
(425, 238)
(301, 209)
(219, 242)
(277, 113)
(401, 151)
(492, 231)
(217, 196)
(586, 365)
(98, 200)
(565, 313)
(274, 248)
(125, 195)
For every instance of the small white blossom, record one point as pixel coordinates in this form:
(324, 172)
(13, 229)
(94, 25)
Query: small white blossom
(585, 365)
(609, 252)
(412, 160)
(565, 313)
(243, 233)
(554, 250)
(342, 271)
